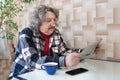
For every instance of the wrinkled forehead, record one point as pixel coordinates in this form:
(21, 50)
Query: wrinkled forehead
(50, 14)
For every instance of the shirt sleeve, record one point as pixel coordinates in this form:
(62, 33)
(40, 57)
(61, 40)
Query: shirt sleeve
(29, 51)
(63, 49)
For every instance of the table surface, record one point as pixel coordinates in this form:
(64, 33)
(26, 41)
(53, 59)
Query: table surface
(97, 70)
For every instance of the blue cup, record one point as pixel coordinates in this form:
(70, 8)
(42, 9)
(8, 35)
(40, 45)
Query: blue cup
(50, 67)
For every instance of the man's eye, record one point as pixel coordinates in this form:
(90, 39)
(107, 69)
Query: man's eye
(48, 20)
(55, 20)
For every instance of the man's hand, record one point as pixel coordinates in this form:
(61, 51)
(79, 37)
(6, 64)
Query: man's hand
(72, 59)
(97, 49)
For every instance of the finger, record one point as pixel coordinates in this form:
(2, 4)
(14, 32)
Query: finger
(77, 59)
(76, 54)
(77, 62)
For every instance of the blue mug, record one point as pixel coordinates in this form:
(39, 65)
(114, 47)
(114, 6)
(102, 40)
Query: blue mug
(50, 67)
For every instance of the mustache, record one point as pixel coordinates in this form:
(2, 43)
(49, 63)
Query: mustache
(52, 27)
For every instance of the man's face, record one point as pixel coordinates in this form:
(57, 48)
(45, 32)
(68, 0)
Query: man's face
(49, 23)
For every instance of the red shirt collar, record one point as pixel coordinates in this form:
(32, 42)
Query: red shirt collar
(44, 35)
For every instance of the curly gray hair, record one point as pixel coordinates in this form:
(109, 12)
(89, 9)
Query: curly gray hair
(37, 17)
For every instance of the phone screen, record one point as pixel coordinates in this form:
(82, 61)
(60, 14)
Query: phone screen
(76, 71)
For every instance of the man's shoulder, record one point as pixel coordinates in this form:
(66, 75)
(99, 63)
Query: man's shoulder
(27, 31)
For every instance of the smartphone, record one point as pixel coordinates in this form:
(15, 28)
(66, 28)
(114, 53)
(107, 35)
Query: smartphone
(76, 71)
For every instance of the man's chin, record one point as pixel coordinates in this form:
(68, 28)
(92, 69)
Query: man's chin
(51, 31)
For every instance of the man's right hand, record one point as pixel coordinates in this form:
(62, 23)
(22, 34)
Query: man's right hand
(72, 59)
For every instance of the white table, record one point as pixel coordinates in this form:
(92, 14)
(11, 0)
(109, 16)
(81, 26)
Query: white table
(98, 70)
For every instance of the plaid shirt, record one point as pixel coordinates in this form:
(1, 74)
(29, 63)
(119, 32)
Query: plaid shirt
(30, 51)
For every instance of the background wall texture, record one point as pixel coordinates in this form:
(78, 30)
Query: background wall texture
(80, 22)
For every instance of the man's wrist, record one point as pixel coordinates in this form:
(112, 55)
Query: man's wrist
(62, 61)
